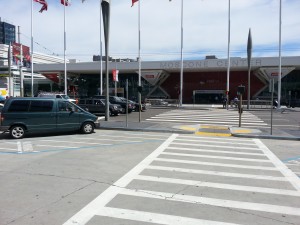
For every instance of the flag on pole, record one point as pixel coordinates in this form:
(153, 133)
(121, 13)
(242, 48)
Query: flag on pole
(65, 2)
(44, 3)
(134, 1)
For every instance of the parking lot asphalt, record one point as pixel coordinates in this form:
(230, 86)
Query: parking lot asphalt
(289, 116)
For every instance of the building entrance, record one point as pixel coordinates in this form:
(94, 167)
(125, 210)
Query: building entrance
(208, 96)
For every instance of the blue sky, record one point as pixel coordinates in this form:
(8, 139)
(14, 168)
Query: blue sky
(205, 28)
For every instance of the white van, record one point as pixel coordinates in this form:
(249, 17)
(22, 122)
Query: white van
(56, 95)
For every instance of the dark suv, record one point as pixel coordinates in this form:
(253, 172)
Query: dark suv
(97, 105)
(119, 101)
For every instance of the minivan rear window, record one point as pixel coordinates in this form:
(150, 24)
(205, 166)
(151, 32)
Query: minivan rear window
(18, 106)
(41, 106)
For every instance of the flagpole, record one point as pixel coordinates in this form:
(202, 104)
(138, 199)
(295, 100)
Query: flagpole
(181, 54)
(9, 69)
(140, 65)
(31, 48)
(228, 57)
(101, 72)
(65, 48)
(279, 69)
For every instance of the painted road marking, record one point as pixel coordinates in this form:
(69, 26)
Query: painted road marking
(156, 218)
(212, 141)
(214, 202)
(217, 173)
(216, 157)
(209, 118)
(84, 215)
(216, 164)
(294, 180)
(216, 151)
(99, 205)
(218, 146)
(219, 185)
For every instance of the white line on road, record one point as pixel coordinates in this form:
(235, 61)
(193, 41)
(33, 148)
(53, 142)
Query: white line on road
(293, 179)
(216, 157)
(212, 141)
(216, 151)
(214, 202)
(217, 164)
(219, 185)
(94, 207)
(217, 173)
(156, 218)
(217, 146)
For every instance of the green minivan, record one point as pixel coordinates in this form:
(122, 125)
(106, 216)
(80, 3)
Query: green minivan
(36, 115)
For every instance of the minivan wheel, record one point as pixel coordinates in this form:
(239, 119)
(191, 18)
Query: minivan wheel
(17, 132)
(87, 128)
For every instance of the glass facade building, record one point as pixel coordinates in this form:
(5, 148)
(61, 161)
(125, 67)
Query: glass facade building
(7, 33)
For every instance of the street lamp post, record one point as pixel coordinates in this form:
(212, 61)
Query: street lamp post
(106, 14)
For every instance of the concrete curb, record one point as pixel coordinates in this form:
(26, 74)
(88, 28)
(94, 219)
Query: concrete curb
(266, 137)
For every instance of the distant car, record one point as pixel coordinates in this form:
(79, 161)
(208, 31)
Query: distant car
(135, 104)
(117, 100)
(96, 105)
(56, 95)
(159, 102)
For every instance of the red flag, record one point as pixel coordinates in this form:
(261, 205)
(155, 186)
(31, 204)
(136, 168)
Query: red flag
(65, 2)
(44, 3)
(134, 1)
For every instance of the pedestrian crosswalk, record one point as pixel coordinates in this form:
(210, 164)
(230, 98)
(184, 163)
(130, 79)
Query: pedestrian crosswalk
(191, 180)
(209, 117)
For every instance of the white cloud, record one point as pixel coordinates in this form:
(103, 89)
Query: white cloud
(205, 27)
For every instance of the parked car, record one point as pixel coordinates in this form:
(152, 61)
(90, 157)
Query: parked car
(36, 115)
(159, 102)
(117, 100)
(136, 104)
(96, 105)
(55, 95)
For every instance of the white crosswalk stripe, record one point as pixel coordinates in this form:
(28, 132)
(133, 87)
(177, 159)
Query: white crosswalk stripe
(172, 187)
(209, 117)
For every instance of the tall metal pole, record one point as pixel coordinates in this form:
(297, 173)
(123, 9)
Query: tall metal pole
(21, 72)
(249, 54)
(279, 69)
(228, 57)
(9, 69)
(31, 54)
(272, 99)
(65, 49)
(140, 64)
(181, 55)
(101, 72)
(106, 14)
